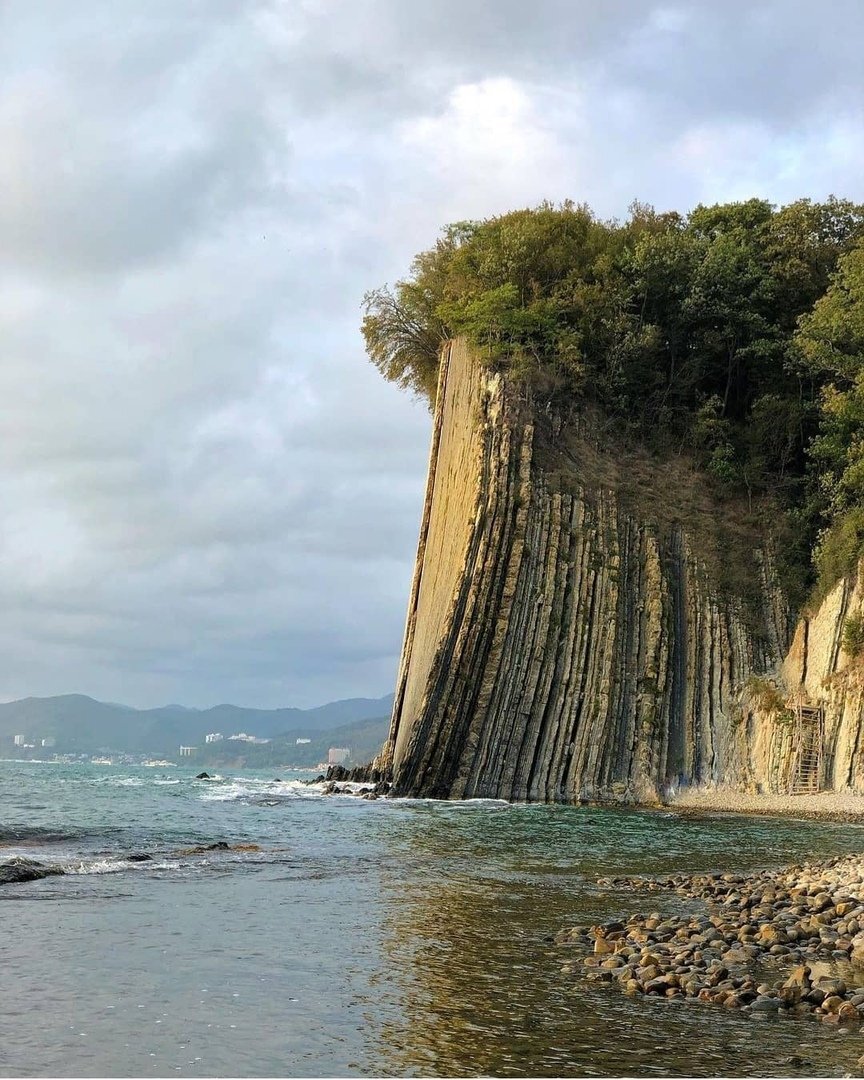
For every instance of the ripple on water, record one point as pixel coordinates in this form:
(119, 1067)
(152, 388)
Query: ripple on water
(388, 937)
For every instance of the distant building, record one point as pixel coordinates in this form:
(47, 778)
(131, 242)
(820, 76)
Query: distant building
(338, 755)
(214, 736)
(243, 737)
(49, 742)
(20, 740)
(187, 751)
(303, 742)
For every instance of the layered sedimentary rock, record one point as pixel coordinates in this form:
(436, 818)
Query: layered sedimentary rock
(582, 621)
(818, 670)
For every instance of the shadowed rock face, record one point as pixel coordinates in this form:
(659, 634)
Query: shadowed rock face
(581, 623)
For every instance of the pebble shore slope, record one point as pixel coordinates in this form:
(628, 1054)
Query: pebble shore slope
(756, 949)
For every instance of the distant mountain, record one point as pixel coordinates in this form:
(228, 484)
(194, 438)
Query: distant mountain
(80, 724)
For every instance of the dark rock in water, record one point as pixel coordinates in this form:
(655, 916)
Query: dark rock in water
(139, 856)
(360, 774)
(203, 776)
(18, 870)
(277, 780)
(199, 849)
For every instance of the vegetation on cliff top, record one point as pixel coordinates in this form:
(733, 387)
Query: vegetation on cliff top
(733, 335)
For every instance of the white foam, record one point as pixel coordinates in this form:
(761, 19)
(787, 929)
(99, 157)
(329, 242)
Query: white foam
(117, 866)
(245, 788)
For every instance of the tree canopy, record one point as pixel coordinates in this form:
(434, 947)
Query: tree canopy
(733, 334)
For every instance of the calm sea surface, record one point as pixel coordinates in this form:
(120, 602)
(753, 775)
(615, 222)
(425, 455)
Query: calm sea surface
(383, 938)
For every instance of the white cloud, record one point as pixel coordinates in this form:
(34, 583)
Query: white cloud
(495, 145)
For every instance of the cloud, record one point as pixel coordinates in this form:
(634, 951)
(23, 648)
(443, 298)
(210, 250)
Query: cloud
(206, 492)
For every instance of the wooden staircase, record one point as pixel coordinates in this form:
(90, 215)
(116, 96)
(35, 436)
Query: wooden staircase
(805, 767)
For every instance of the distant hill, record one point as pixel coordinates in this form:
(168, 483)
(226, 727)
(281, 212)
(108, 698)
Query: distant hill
(81, 724)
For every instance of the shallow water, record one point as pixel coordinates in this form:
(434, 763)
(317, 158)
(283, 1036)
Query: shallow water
(391, 937)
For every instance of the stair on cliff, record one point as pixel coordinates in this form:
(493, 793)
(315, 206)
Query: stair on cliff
(806, 772)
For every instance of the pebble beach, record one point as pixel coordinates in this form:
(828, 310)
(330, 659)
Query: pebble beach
(830, 805)
(768, 942)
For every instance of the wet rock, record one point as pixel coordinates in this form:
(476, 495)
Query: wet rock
(218, 845)
(16, 871)
(203, 776)
(799, 977)
(765, 1004)
(139, 856)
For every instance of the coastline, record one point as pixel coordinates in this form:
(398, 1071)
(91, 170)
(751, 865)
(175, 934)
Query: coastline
(823, 805)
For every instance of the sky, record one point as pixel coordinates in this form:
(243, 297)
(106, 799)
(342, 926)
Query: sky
(207, 493)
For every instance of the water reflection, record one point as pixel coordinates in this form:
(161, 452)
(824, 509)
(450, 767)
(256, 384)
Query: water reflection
(467, 951)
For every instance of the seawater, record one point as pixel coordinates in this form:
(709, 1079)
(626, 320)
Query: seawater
(395, 938)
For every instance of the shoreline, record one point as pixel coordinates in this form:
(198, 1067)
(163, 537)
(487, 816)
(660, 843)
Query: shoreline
(787, 941)
(821, 806)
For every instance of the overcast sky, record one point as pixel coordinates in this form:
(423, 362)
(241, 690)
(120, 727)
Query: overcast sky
(207, 494)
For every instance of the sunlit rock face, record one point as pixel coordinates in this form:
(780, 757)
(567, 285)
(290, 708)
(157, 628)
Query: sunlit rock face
(583, 620)
(818, 668)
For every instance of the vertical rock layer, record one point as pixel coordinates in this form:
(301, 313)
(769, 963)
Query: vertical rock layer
(581, 623)
(819, 670)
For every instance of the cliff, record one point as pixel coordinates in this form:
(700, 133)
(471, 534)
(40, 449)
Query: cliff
(819, 671)
(583, 621)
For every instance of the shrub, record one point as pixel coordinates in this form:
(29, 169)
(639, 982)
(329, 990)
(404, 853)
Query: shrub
(853, 635)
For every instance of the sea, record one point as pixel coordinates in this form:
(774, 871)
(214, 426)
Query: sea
(337, 936)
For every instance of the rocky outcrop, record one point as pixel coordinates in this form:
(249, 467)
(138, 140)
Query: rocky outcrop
(582, 620)
(821, 672)
(18, 870)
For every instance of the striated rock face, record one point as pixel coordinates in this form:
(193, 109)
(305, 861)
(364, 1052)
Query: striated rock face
(819, 670)
(581, 623)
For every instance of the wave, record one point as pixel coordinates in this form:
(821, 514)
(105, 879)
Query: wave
(254, 789)
(118, 866)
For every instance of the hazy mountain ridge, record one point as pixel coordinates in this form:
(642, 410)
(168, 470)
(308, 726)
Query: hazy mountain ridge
(78, 722)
